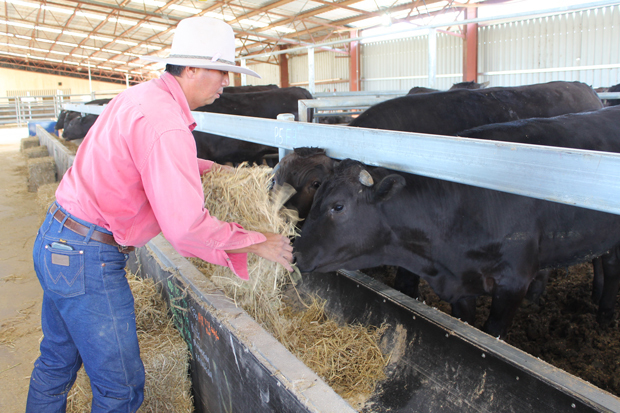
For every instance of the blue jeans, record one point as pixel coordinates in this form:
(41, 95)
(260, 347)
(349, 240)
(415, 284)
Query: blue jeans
(87, 317)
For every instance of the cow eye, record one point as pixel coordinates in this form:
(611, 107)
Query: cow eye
(316, 184)
(337, 208)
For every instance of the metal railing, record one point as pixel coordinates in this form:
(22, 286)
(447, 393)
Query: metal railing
(584, 178)
(19, 110)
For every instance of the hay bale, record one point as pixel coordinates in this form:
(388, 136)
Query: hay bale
(41, 171)
(29, 142)
(36, 152)
(46, 195)
(347, 357)
(163, 352)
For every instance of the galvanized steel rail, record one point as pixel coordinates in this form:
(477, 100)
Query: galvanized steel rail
(583, 178)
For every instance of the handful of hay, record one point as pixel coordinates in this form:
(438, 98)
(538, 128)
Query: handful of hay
(347, 357)
(243, 197)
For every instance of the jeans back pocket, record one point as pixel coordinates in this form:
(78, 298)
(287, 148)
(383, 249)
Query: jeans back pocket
(64, 271)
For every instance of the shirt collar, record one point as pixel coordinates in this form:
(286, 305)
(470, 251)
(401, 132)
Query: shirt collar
(179, 97)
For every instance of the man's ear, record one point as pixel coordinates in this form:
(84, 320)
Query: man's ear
(190, 72)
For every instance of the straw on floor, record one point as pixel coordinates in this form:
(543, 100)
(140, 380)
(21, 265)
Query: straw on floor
(163, 352)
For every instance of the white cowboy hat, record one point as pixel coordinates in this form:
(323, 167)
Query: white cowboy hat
(203, 42)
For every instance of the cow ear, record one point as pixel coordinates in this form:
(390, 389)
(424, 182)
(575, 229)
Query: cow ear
(388, 187)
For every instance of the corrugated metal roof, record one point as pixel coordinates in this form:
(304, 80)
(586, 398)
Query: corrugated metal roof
(109, 36)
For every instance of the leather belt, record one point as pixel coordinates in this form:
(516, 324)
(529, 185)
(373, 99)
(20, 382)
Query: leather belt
(84, 230)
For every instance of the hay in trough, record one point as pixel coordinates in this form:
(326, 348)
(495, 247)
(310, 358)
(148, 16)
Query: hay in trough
(162, 350)
(72, 146)
(347, 357)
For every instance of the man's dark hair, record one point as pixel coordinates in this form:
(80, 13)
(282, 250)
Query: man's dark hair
(174, 69)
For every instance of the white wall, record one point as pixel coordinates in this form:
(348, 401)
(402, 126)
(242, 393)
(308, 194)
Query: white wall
(580, 46)
(22, 80)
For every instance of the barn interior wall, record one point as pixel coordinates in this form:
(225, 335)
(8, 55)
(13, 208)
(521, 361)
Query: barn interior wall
(21, 80)
(400, 64)
(331, 71)
(580, 46)
(270, 74)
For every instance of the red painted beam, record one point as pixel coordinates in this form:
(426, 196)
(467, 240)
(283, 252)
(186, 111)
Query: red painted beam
(284, 78)
(354, 63)
(470, 52)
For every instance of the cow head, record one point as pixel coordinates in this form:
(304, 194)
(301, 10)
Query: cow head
(305, 170)
(78, 128)
(346, 227)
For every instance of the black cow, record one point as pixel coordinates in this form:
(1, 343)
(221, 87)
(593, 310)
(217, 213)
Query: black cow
(266, 104)
(469, 85)
(463, 240)
(247, 89)
(73, 129)
(598, 130)
(65, 117)
(304, 169)
(462, 85)
(614, 102)
(79, 127)
(427, 113)
(449, 112)
(421, 89)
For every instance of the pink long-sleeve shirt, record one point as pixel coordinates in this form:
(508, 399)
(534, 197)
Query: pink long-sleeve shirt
(137, 174)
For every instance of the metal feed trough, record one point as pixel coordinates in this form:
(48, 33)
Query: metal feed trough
(438, 362)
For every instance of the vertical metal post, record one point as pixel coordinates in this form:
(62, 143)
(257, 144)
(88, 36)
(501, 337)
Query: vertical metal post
(244, 77)
(432, 57)
(90, 82)
(289, 117)
(18, 111)
(311, 70)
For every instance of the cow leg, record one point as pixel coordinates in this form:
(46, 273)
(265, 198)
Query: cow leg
(611, 282)
(407, 282)
(537, 286)
(504, 306)
(598, 281)
(465, 310)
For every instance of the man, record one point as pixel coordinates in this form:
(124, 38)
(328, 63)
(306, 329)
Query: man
(135, 175)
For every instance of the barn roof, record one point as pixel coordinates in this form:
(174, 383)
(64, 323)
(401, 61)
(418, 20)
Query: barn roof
(68, 37)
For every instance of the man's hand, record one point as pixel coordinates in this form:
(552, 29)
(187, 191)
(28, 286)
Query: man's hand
(216, 167)
(276, 248)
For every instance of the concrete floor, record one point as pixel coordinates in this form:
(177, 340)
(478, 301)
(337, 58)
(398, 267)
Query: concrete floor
(20, 292)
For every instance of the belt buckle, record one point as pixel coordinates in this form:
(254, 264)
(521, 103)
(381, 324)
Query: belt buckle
(124, 249)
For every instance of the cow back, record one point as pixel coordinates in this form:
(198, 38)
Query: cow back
(597, 130)
(248, 89)
(449, 112)
(267, 104)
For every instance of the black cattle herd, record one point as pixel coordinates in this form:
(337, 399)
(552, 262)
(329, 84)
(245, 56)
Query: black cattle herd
(463, 240)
